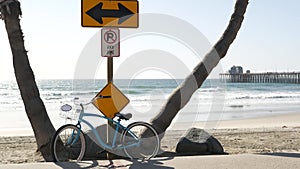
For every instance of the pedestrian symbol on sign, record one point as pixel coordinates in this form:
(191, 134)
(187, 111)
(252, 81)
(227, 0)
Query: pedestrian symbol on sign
(110, 42)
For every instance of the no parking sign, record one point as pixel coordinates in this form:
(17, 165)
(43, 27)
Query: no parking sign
(110, 42)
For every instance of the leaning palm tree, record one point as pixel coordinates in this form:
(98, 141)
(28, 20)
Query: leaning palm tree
(194, 81)
(34, 106)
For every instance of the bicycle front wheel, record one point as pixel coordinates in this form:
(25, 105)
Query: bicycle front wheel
(140, 141)
(68, 144)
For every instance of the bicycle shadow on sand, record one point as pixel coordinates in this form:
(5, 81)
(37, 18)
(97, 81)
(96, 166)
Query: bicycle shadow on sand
(128, 164)
(118, 164)
(79, 165)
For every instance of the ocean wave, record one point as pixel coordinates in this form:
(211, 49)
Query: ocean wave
(236, 106)
(83, 93)
(210, 90)
(53, 98)
(57, 94)
(141, 87)
(151, 87)
(134, 92)
(267, 97)
(146, 100)
(3, 103)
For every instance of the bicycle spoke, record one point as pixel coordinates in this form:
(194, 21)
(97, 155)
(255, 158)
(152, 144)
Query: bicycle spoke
(68, 144)
(139, 144)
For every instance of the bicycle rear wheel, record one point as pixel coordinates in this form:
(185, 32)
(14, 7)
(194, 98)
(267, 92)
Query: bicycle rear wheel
(68, 144)
(139, 144)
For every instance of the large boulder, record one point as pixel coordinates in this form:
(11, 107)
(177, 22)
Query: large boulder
(94, 150)
(198, 142)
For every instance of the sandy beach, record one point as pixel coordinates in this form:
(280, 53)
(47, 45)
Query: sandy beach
(280, 133)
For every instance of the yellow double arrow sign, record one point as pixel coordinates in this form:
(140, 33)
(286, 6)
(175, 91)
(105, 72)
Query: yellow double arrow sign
(110, 13)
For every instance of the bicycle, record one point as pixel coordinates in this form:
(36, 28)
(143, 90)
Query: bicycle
(68, 143)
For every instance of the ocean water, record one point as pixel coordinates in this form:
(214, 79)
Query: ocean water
(212, 102)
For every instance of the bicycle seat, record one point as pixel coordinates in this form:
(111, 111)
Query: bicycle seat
(124, 116)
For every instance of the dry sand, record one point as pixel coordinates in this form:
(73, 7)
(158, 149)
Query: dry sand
(279, 133)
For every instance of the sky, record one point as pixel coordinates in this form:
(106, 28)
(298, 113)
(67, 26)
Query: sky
(268, 40)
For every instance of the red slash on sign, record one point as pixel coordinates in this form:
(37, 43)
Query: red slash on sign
(110, 37)
(110, 46)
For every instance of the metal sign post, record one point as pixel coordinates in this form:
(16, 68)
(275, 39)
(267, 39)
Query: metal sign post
(112, 15)
(110, 76)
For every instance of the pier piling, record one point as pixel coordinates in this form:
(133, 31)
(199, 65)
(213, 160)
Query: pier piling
(269, 77)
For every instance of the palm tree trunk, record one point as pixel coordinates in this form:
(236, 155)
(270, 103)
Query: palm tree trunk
(34, 106)
(184, 92)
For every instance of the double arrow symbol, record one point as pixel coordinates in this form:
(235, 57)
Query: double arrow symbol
(98, 13)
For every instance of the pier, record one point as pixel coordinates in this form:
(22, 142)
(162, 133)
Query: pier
(269, 77)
